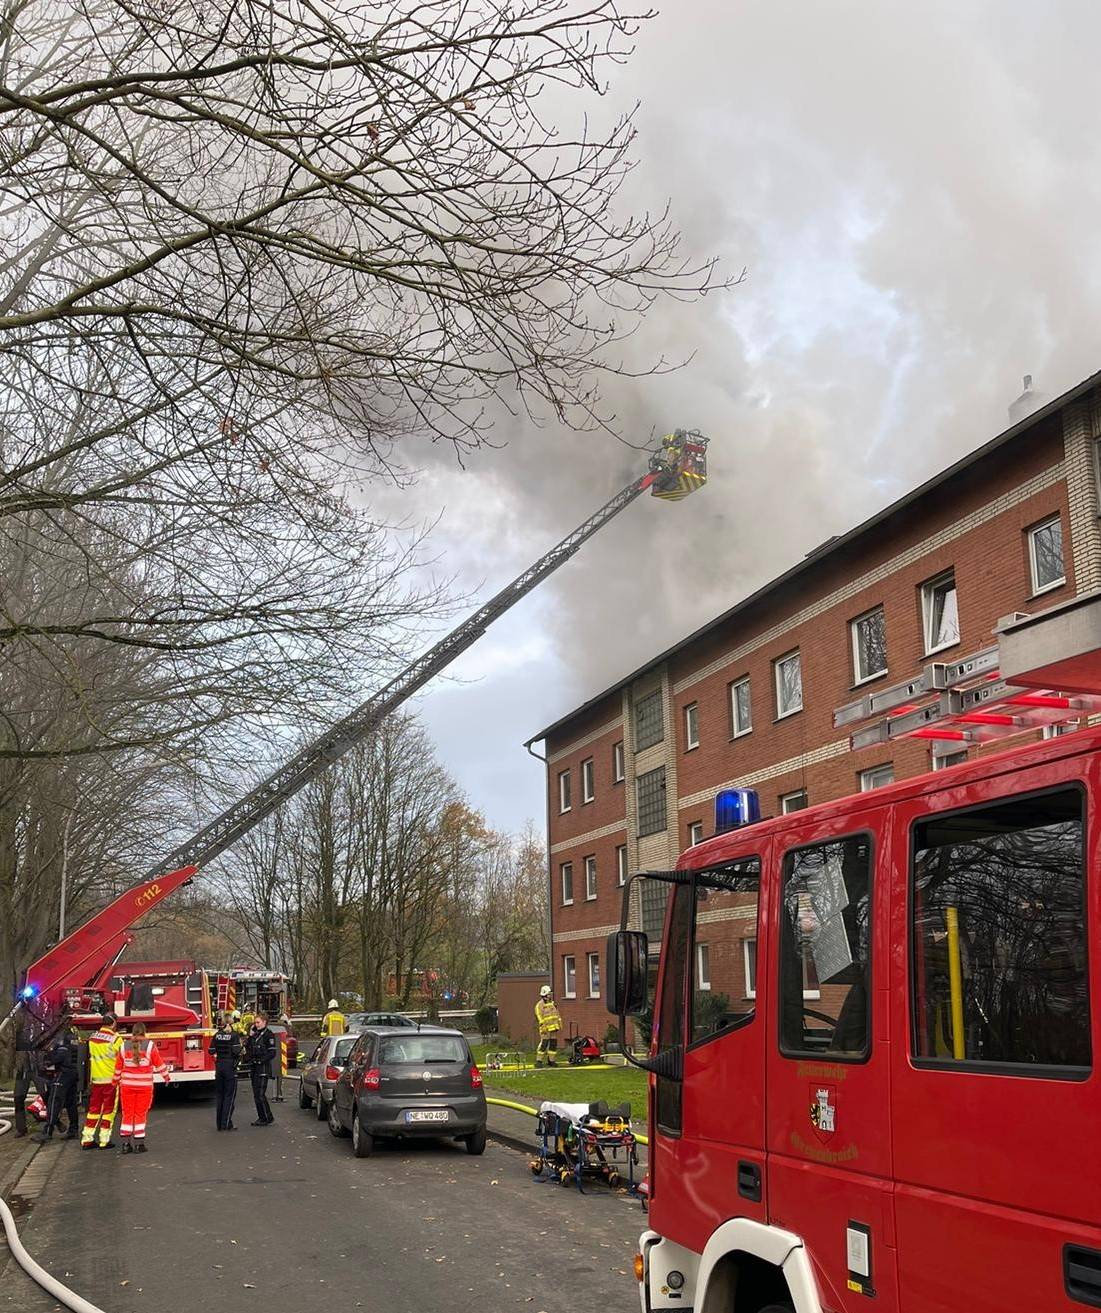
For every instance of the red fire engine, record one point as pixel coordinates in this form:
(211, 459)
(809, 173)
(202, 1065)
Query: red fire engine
(876, 1022)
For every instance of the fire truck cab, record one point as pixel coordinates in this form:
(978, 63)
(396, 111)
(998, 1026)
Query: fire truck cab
(876, 1033)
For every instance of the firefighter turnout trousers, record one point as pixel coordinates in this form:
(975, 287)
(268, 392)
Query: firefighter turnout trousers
(102, 1105)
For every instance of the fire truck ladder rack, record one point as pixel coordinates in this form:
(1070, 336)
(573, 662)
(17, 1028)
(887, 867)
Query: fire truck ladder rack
(679, 467)
(1045, 669)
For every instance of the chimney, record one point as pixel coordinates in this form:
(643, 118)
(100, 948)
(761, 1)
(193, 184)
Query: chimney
(1029, 401)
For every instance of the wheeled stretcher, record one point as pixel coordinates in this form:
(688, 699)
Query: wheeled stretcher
(579, 1141)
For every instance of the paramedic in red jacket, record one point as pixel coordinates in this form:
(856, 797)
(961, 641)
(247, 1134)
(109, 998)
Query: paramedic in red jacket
(137, 1063)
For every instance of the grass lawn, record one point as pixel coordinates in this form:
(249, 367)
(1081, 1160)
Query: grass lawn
(575, 1085)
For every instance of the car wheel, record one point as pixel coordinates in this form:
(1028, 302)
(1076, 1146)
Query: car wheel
(304, 1100)
(363, 1142)
(476, 1143)
(336, 1126)
(322, 1106)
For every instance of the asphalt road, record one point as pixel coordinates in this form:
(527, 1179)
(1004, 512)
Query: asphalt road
(286, 1218)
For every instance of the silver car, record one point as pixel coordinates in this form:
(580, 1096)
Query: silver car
(322, 1068)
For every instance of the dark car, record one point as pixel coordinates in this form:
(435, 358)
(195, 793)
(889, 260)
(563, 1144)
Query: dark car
(403, 1083)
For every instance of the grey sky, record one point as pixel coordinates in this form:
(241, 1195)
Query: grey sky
(914, 191)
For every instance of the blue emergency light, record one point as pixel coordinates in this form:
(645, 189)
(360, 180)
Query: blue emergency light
(735, 808)
(28, 991)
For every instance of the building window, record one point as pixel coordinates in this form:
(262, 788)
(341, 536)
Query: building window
(650, 791)
(793, 802)
(999, 908)
(1064, 727)
(569, 976)
(564, 794)
(741, 707)
(621, 864)
(869, 639)
(1045, 555)
(588, 786)
(749, 957)
(950, 757)
(566, 871)
(703, 966)
(788, 671)
(617, 762)
(876, 776)
(590, 878)
(691, 726)
(593, 962)
(825, 937)
(649, 721)
(695, 833)
(940, 612)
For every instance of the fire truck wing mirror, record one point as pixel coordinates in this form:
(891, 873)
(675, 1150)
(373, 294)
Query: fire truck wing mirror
(627, 956)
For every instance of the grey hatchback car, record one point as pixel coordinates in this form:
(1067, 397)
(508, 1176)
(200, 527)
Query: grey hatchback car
(322, 1068)
(403, 1083)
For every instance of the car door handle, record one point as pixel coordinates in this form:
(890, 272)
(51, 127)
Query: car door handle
(749, 1181)
(1082, 1274)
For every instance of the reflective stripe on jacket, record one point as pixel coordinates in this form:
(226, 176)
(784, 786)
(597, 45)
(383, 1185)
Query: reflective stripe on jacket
(332, 1023)
(103, 1049)
(546, 1014)
(136, 1071)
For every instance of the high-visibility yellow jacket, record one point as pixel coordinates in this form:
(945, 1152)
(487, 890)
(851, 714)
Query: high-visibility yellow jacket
(546, 1014)
(333, 1023)
(103, 1049)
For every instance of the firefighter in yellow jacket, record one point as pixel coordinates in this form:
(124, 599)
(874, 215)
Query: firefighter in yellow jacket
(333, 1022)
(550, 1023)
(103, 1049)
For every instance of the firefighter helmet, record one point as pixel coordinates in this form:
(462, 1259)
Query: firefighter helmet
(333, 1003)
(545, 991)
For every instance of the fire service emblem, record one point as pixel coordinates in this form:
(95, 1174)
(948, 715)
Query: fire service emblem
(823, 1110)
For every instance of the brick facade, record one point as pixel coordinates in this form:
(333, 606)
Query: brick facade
(973, 520)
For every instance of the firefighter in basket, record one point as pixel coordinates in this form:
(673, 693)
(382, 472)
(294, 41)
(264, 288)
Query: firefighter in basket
(550, 1023)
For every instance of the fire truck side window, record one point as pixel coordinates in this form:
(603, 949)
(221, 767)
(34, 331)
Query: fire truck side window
(999, 936)
(825, 994)
(724, 986)
(676, 970)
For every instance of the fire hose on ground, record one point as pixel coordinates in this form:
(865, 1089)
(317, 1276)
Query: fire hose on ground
(35, 1271)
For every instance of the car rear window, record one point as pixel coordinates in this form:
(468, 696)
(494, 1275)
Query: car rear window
(422, 1048)
(344, 1047)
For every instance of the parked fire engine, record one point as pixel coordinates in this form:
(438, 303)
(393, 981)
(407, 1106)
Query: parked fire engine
(877, 1022)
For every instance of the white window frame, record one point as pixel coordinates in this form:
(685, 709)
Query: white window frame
(927, 590)
(590, 879)
(1037, 587)
(563, 867)
(738, 729)
(794, 655)
(619, 769)
(588, 780)
(691, 726)
(621, 864)
(854, 633)
(867, 783)
(940, 759)
(751, 980)
(569, 969)
(565, 792)
(695, 833)
(593, 960)
(785, 798)
(1061, 727)
(703, 978)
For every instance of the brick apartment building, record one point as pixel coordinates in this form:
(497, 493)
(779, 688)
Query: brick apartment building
(749, 698)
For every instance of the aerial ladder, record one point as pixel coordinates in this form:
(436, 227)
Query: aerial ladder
(84, 959)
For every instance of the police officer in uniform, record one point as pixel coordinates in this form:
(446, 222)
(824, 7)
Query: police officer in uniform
(260, 1049)
(61, 1064)
(27, 1073)
(225, 1048)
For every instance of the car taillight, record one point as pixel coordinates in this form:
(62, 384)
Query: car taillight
(475, 1078)
(371, 1079)
(332, 1073)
